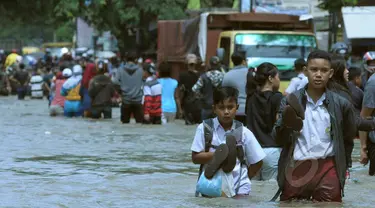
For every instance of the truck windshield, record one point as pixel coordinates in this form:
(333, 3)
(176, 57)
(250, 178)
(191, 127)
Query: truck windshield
(275, 45)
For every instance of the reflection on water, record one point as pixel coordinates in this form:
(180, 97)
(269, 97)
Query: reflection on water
(60, 162)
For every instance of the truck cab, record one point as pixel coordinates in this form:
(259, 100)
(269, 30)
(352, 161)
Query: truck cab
(276, 38)
(281, 48)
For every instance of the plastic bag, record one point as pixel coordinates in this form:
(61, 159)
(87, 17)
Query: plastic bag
(227, 184)
(210, 187)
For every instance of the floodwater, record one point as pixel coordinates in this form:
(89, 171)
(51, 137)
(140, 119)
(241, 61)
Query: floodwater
(60, 162)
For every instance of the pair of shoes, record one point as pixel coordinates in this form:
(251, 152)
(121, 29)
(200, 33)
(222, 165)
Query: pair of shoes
(293, 114)
(225, 157)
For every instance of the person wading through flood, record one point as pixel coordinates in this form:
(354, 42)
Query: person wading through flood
(152, 96)
(71, 91)
(206, 84)
(224, 144)
(355, 82)
(170, 100)
(262, 105)
(101, 90)
(58, 101)
(236, 78)
(339, 84)
(190, 103)
(368, 110)
(88, 74)
(5, 88)
(129, 81)
(315, 128)
(22, 78)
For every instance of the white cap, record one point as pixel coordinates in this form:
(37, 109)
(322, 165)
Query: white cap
(77, 69)
(19, 59)
(140, 60)
(67, 72)
(64, 51)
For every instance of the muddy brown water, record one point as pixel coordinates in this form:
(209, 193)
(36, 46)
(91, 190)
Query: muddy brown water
(61, 162)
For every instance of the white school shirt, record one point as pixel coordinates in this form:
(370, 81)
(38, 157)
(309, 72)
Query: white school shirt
(315, 140)
(252, 149)
(297, 83)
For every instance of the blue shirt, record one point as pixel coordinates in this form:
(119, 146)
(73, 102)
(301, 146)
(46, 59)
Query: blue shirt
(168, 87)
(237, 78)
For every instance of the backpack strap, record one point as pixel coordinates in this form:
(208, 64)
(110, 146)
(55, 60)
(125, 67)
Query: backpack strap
(152, 83)
(237, 132)
(208, 126)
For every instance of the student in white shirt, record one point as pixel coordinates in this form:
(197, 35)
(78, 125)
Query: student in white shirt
(316, 128)
(225, 106)
(300, 81)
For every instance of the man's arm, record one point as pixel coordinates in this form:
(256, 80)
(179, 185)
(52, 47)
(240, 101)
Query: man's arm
(349, 130)
(253, 152)
(226, 81)
(178, 101)
(254, 168)
(117, 78)
(92, 90)
(27, 81)
(198, 85)
(8, 86)
(201, 157)
(292, 87)
(198, 155)
(117, 82)
(366, 112)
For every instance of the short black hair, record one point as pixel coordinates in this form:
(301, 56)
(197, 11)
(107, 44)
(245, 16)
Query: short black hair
(238, 57)
(22, 66)
(319, 54)
(299, 64)
(164, 69)
(354, 72)
(223, 93)
(132, 56)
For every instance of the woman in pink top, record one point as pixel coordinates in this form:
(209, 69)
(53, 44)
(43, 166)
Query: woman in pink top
(57, 104)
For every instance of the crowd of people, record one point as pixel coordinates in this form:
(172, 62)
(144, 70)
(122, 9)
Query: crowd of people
(304, 138)
(247, 128)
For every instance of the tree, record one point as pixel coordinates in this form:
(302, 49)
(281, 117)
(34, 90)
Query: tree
(335, 5)
(118, 16)
(335, 16)
(34, 22)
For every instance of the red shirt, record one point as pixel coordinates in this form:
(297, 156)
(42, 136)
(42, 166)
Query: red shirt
(58, 99)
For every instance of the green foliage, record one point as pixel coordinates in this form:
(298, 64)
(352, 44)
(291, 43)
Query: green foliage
(114, 15)
(336, 5)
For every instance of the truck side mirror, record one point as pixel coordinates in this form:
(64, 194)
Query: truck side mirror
(220, 53)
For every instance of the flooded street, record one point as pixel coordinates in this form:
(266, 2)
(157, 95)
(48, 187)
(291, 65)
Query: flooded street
(60, 162)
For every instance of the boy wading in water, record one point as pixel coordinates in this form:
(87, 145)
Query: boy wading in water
(316, 128)
(223, 143)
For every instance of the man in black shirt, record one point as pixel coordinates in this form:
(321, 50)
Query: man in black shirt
(355, 82)
(189, 101)
(22, 78)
